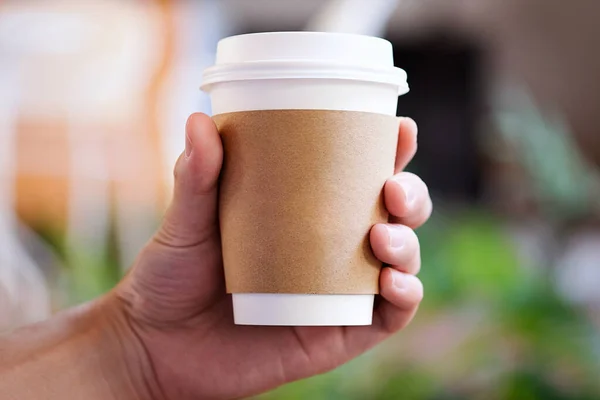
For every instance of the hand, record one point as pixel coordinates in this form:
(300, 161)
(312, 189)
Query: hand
(180, 317)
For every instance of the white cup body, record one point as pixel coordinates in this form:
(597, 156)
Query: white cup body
(312, 94)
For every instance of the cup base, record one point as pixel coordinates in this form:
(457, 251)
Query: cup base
(302, 309)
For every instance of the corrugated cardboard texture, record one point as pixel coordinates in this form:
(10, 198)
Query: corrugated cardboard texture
(300, 190)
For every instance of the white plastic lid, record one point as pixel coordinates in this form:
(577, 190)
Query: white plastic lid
(308, 55)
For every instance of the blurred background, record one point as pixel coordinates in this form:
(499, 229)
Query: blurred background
(93, 101)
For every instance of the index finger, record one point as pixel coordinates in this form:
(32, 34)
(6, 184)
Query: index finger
(407, 143)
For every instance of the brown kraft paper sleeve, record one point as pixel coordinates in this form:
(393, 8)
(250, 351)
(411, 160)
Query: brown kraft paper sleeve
(299, 193)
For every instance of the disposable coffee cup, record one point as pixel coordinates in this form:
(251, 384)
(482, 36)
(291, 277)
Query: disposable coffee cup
(308, 125)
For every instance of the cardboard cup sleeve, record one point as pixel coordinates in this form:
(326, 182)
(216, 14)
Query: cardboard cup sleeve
(299, 193)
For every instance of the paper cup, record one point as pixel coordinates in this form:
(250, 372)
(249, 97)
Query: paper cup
(351, 77)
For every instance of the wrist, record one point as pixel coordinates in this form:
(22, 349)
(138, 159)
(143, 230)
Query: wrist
(123, 358)
(88, 352)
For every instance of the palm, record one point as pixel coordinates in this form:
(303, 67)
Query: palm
(180, 332)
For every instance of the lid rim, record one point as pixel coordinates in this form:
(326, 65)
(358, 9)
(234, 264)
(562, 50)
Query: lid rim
(303, 69)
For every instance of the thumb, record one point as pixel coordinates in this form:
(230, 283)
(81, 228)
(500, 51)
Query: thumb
(192, 216)
(166, 283)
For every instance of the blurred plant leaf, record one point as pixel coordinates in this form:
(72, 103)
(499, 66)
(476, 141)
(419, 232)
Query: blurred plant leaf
(563, 181)
(468, 258)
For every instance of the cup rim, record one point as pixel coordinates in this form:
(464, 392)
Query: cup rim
(303, 69)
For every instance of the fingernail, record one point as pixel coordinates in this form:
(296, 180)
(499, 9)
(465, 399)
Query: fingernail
(395, 237)
(188, 146)
(398, 280)
(409, 193)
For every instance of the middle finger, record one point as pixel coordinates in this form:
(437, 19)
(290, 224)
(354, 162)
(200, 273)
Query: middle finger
(396, 245)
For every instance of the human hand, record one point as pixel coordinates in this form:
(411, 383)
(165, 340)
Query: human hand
(180, 317)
